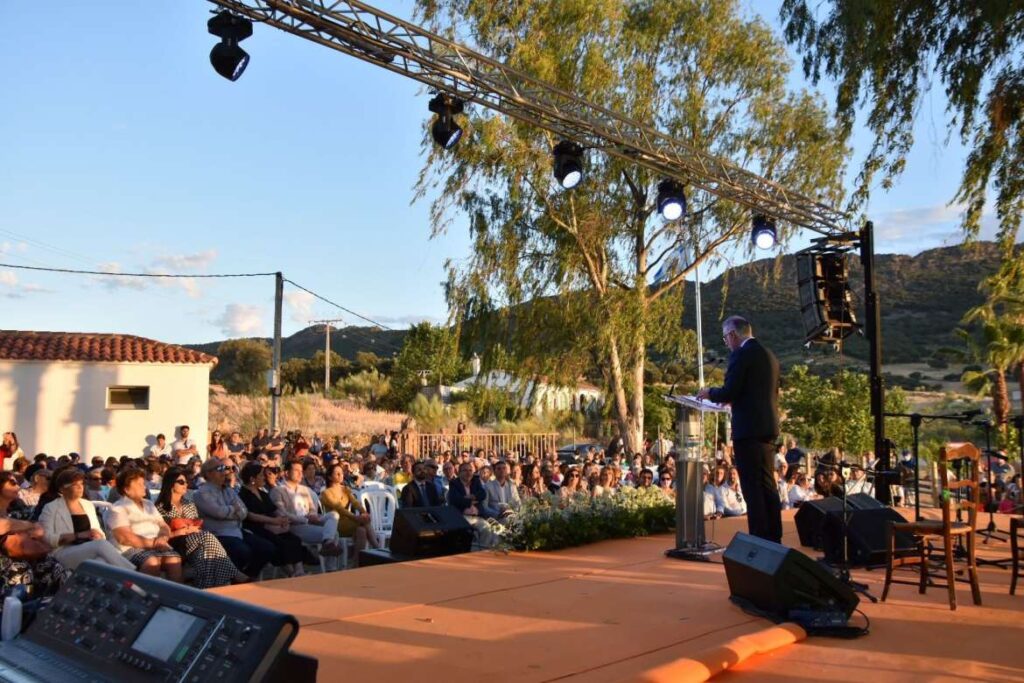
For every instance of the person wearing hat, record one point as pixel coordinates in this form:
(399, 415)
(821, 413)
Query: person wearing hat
(223, 513)
(37, 486)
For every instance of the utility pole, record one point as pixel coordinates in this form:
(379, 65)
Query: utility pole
(327, 351)
(275, 389)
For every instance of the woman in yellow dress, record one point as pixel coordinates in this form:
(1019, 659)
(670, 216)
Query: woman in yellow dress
(353, 519)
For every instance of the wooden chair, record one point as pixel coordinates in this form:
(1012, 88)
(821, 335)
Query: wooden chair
(1016, 527)
(947, 530)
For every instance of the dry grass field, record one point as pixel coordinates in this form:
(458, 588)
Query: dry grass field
(306, 413)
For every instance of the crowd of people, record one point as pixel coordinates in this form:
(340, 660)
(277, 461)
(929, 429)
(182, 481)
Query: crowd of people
(221, 512)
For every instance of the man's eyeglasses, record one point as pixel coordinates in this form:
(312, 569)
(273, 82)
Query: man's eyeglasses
(272, 470)
(95, 478)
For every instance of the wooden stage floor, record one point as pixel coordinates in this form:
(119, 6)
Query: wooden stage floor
(612, 610)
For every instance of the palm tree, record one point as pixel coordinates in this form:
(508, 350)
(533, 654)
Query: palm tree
(998, 342)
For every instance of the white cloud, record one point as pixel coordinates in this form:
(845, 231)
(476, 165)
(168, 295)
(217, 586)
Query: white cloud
(12, 288)
(300, 306)
(115, 282)
(400, 320)
(916, 229)
(240, 320)
(179, 262)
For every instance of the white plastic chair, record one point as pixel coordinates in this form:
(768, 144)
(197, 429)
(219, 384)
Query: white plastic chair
(381, 504)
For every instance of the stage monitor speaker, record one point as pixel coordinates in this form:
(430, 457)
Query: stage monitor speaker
(777, 580)
(430, 532)
(866, 531)
(810, 520)
(863, 501)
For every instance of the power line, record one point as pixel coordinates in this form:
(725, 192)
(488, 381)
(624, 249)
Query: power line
(107, 273)
(338, 306)
(74, 271)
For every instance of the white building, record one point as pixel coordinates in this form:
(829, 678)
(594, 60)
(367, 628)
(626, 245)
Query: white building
(537, 396)
(99, 394)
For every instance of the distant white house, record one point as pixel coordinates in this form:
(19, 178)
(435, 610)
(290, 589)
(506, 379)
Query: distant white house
(537, 396)
(99, 394)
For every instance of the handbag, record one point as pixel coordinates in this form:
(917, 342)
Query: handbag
(22, 545)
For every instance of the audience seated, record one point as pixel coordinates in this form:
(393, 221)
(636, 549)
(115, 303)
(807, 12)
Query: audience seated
(466, 494)
(300, 505)
(73, 528)
(223, 512)
(502, 492)
(140, 532)
(421, 492)
(263, 519)
(353, 518)
(210, 563)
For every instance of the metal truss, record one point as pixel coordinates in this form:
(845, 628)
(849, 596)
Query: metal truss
(366, 33)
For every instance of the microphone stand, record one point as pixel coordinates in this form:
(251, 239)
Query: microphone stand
(991, 531)
(844, 566)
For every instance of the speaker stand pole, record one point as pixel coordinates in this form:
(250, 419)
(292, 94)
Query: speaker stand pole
(843, 570)
(991, 532)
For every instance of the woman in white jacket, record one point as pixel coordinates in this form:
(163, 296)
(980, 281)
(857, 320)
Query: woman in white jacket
(72, 527)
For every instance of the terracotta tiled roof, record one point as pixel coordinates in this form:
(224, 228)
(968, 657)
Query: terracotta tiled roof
(101, 348)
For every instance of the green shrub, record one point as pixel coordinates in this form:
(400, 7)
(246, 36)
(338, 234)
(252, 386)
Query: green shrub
(551, 522)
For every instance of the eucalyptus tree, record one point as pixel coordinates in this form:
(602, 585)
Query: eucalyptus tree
(564, 280)
(885, 55)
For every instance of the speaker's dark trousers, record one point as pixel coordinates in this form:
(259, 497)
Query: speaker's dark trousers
(755, 459)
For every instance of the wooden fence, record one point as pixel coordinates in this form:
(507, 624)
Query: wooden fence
(424, 445)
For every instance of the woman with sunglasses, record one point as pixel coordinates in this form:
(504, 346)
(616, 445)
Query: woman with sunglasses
(266, 521)
(73, 528)
(572, 483)
(210, 563)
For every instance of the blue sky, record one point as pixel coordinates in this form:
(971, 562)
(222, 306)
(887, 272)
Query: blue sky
(123, 150)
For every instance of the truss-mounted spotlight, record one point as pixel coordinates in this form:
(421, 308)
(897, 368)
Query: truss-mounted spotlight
(227, 58)
(762, 232)
(568, 167)
(445, 131)
(671, 200)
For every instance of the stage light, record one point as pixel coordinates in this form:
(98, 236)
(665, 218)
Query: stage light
(671, 200)
(763, 232)
(227, 58)
(445, 131)
(568, 167)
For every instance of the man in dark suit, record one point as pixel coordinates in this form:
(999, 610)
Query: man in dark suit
(752, 389)
(420, 492)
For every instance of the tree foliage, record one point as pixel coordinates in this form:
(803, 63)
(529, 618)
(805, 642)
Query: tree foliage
(886, 55)
(368, 387)
(825, 412)
(429, 354)
(698, 70)
(243, 364)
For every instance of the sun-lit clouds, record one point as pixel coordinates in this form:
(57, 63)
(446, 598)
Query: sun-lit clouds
(167, 264)
(240, 320)
(11, 286)
(299, 306)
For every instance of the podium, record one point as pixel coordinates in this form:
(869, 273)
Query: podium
(690, 541)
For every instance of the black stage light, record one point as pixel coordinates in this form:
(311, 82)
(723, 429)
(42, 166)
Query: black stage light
(568, 167)
(763, 232)
(227, 58)
(671, 200)
(445, 131)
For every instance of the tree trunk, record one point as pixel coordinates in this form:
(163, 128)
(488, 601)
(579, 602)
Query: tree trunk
(1020, 385)
(1000, 400)
(622, 412)
(636, 421)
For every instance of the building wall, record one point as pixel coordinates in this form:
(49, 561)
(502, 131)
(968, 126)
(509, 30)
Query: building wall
(60, 407)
